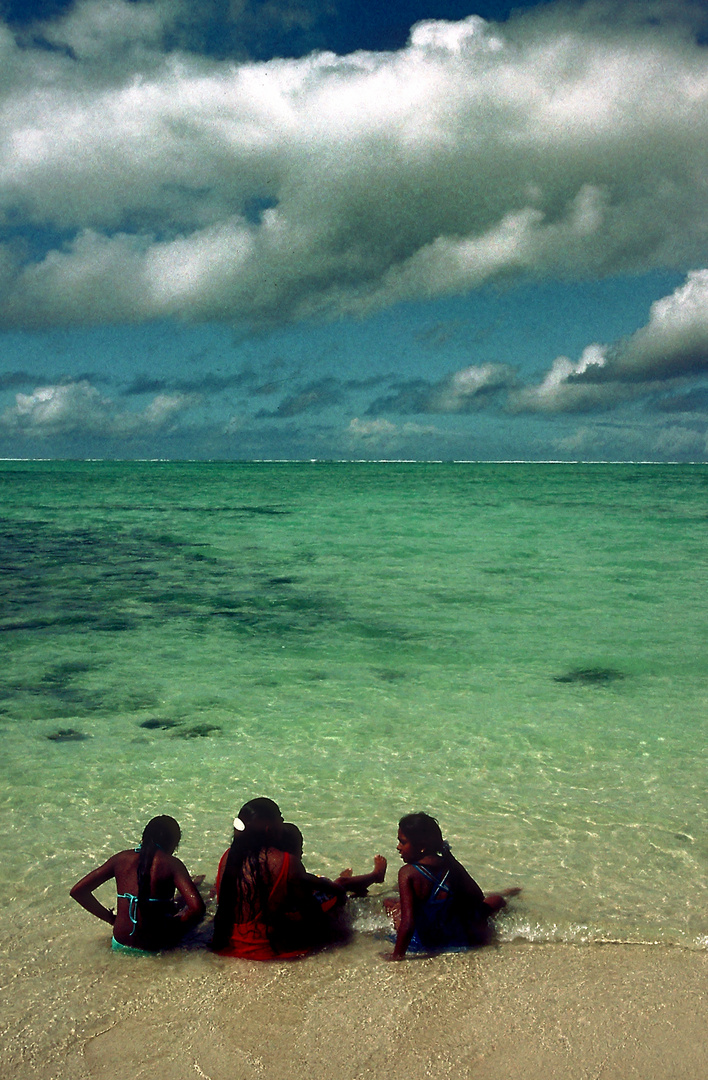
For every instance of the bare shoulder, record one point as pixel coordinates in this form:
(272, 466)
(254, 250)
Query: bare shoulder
(274, 859)
(168, 865)
(123, 867)
(124, 860)
(406, 873)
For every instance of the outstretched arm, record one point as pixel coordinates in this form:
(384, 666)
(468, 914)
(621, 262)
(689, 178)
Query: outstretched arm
(302, 883)
(326, 885)
(83, 891)
(359, 883)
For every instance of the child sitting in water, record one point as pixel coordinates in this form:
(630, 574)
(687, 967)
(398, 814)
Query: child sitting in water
(147, 917)
(253, 883)
(441, 907)
(291, 840)
(311, 909)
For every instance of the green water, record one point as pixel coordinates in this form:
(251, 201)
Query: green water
(518, 649)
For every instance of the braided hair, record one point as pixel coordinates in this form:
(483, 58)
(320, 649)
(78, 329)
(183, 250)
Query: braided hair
(160, 834)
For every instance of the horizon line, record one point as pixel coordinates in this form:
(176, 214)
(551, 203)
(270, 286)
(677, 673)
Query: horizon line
(350, 461)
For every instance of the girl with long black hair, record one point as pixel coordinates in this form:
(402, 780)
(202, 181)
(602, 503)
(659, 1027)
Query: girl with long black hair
(146, 918)
(255, 881)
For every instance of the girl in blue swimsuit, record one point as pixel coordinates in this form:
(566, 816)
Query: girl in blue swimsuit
(147, 917)
(441, 908)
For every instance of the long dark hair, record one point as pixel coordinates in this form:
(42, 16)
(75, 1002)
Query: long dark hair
(246, 883)
(160, 834)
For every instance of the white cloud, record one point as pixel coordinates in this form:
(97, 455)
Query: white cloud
(557, 394)
(462, 391)
(79, 407)
(675, 340)
(673, 344)
(468, 390)
(58, 409)
(572, 140)
(385, 435)
(371, 429)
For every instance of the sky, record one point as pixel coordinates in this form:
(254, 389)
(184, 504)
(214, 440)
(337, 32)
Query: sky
(323, 229)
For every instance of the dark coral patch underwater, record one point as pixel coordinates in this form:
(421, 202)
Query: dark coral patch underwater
(198, 731)
(68, 735)
(593, 676)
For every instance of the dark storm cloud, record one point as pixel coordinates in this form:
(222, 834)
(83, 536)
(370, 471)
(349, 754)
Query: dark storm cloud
(204, 384)
(311, 398)
(10, 380)
(468, 390)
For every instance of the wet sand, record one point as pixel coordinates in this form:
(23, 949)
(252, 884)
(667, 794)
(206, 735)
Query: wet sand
(606, 1012)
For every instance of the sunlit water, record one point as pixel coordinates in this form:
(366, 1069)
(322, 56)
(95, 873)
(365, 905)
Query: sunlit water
(518, 649)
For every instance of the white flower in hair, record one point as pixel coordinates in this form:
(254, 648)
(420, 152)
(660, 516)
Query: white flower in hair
(239, 825)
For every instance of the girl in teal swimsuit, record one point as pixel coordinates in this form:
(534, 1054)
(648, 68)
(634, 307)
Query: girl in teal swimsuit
(147, 918)
(441, 908)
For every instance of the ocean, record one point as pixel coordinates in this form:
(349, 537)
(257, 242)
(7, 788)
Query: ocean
(518, 649)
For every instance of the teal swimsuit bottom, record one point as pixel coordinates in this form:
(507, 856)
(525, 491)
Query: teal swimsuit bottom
(118, 947)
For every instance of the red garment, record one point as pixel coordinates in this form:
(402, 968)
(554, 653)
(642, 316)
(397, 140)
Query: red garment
(250, 939)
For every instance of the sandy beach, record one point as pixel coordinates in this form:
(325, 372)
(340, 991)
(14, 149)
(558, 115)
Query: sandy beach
(514, 1010)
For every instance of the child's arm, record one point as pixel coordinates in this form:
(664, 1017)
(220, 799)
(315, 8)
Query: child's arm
(83, 891)
(194, 909)
(359, 883)
(323, 884)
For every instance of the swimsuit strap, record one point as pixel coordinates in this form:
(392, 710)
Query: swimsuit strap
(439, 883)
(132, 908)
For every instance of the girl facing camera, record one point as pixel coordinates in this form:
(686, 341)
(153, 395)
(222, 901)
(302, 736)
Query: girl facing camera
(441, 908)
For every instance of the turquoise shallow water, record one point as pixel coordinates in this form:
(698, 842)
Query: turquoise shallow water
(519, 649)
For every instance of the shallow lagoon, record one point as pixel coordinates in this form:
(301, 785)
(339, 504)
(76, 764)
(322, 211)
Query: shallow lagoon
(519, 649)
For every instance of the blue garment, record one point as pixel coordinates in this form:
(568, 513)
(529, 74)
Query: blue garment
(437, 925)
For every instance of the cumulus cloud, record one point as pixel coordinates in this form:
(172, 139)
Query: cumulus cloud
(572, 141)
(79, 407)
(100, 30)
(675, 340)
(473, 388)
(672, 345)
